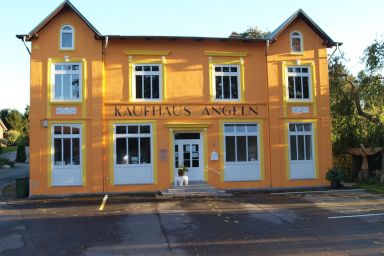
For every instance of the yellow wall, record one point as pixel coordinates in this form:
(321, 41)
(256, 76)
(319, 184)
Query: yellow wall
(186, 66)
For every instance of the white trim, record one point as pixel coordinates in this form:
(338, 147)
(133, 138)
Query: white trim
(356, 216)
(142, 73)
(222, 73)
(299, 36)
(297, 74)
(72, 32)
(78, 72)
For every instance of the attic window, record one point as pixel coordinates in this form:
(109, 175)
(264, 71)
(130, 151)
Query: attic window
(296, 42)
(66, 38)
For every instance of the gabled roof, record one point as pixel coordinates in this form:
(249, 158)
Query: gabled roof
(63, 5)
(301, 14)
(3, 125)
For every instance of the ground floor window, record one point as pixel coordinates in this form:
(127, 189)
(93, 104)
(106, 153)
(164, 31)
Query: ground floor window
(301, 151)
(67, 158)
(133, 153)
(241, 143)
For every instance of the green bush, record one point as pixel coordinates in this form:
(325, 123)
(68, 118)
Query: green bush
(6, 161)
(20, 154)
(335, 174)
(12, 136)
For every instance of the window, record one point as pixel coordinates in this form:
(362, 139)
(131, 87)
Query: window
(66, 81)
(296, 42)
(66, 145)
(66, 37)
(226, 81)
(133, 144)
(241, 142)
(147, 82)
(300, 138)
(299, 83)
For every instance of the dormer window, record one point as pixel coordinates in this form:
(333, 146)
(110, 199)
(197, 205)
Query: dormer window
(66, 38)
(296, 42)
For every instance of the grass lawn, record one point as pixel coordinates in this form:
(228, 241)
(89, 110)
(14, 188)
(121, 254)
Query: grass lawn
(379, 188)
(9, 149)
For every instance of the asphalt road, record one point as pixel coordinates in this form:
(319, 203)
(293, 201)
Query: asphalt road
(245, 224)
(20, 170)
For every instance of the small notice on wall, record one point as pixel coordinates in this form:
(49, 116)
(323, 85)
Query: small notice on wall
(214, 156)
(66, 111)
(300, 109)
(163, 154)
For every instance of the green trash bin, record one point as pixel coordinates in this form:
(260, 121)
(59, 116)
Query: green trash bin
(22, 187)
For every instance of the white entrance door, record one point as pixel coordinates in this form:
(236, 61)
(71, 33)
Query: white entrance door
(301, 151)
(189, 153)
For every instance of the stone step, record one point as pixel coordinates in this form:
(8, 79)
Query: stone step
(201, 189)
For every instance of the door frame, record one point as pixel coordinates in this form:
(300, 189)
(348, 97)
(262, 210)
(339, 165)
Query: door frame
(201, 151)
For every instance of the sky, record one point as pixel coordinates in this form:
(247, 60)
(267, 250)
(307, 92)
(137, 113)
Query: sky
(356, 23)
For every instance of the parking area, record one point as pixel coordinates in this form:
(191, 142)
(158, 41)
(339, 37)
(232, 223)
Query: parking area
(312, 223)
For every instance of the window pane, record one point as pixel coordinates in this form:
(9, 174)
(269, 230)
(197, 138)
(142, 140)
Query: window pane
(58, 85)
(252, 148)
(290, 69)
(233, 69)
(66, 129)
(187, 136)
(57, 129)
(133, 150)
(66, 67)
(293, 147)
(308, 147)
(67, 151)
(75, 87)
(138, 68)
(187, 155)
(155, 87)
(155, 68)
(145, 129)
(133, 129)
(230, 149)
(299, 92)
(304, 70)
(177, 156)
(145, 150)
(57, 152)
(299, 127)
(300, 144)
(147, 68)
(305, 88)
(234, 90)
(121, 129)
(225, 69)
(226, 87)
(75, 67)
(139, 89)
(251, 127)
(307, 127)
(147, 87)
(66, 86)
(296, 47)
(219, 87)
(121, 151)
(66, 40)
(75, 130)
(240, 128)
(229, 128)
(75, 151)
(58, 67)
(292, 127)
(218, 69)
(291, 87)
(241, 148)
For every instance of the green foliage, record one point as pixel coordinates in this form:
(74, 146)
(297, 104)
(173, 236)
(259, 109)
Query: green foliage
(21, 155)
(251, 32)
(374, 56)
(14, 120)
(335, 174)
(6, 161)
(12, 136)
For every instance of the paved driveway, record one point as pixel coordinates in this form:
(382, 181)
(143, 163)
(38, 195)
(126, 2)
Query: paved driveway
(245, 224)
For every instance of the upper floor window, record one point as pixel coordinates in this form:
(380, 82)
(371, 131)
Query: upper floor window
(226, 81)
(299, 83)
(66, 37)
(66, 81)
(147, 82)
(296, 42)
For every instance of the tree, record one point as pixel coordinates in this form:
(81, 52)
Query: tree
(251, 32)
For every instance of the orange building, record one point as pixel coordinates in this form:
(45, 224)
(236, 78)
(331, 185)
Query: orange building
(113, 113)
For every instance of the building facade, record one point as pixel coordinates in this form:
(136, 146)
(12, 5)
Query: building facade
(122, 113)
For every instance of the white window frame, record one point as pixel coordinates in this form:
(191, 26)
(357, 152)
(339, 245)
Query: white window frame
(246, 133)
(301, 133)
(294, 36)
(299, 74)
(78, 72)
(143, 73)
(222, 73)
(72, 32)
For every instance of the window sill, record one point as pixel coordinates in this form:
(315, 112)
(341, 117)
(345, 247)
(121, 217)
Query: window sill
(66, 102)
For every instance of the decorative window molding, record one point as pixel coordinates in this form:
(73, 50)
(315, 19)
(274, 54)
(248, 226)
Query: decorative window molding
(147, 82)
(296, 42)
(67, 38)
(66, 82)
(226, 82)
